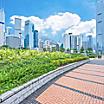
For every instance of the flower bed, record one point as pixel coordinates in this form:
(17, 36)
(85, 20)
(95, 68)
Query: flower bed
(19, 66)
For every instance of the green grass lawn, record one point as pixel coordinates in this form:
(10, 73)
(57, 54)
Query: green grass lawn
(19, 66)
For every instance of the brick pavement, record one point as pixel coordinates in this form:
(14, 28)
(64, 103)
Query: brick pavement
(84, 85)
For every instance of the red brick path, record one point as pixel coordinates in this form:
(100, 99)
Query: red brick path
(84, 85)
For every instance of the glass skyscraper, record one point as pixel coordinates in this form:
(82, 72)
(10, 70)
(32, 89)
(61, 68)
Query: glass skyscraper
(2, 27)
(90, 41)
(35, 39)
(17, 27)
(100, 26)
(67, 41)
(31, 36)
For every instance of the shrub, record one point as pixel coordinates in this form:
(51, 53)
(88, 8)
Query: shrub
(19, 66)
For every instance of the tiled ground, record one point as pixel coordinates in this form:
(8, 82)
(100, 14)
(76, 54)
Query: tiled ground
(84, 85)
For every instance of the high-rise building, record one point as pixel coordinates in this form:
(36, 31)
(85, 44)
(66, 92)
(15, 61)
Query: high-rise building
(78, 42)
(47, 44)
(83, 41)
(74, 41)
(100, 26)
(57, 47)
(41, 45)
(31, 36)
(13, 41)
(67, 41)
(26, 41)
(17, 27)
(35, 39)
(85, 45)
(8, 30)
(90, 41)
(7, 33)
(2, 27)
(71, 42)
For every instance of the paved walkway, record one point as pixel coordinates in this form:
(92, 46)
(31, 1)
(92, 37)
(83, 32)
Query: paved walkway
(97, 62)
(84, 85)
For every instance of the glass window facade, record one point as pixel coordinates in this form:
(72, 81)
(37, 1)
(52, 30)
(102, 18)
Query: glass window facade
(100, 26)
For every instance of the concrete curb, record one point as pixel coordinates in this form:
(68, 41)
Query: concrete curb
(18, 94)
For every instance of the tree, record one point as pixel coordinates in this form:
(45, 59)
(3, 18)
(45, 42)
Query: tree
(5, 46)
(82, 50)
(62, 49)
(68, 50)
(44, 49)
(90, 50)
(48, 49)
(75, 50)
(53, 49)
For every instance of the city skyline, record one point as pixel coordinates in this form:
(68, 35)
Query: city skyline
(51, 51)
(64, 13)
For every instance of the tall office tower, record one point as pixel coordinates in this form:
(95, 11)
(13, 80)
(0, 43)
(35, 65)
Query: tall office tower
(31, 36)
(47, 44)
(41, 45)
(8, 30)
(100, 26)
(13, 41)
(35, 39)
(74, 42)
(78, 42)
(90, 41)
(57, 47)
(2, 27)
(83, 41)
(17, 27)
(67, 41)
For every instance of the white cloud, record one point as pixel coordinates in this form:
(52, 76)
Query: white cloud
(67, 22)
(54, 22)
(62, 21)
(36, 20)
(84, 27)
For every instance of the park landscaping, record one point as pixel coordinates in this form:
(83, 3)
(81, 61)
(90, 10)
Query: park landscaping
(20, 66)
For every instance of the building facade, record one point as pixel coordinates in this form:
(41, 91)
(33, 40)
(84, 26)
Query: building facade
(29, 33)
(47, 45)
(13, 41)
(2, 27)
(90, 41)
(35, 39)
(100, 26)
(8, 30)
(41, 45)
(72, 42)
(67, 41)
(83, 41)
(75, 41)
(31, 36)
(17, 27)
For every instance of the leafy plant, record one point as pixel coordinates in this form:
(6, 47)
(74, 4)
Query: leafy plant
(19, 66)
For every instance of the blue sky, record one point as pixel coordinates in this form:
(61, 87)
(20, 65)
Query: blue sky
(85, 9)
(44, 8)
